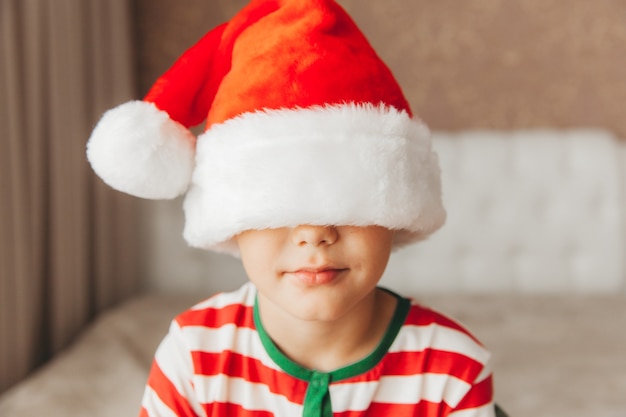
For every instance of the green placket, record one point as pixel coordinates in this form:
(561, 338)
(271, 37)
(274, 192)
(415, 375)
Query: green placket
(317, 401)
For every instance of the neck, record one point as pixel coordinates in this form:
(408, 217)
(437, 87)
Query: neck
(330, 345)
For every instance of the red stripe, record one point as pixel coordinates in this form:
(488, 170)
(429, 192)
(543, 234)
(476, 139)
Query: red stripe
(423, 408)
(238, 314)
(422, 316)
(168, 393)
(417, 363)
(479, 395)
(233, 410)
(250, 369)
(432, 361)
(143, 412)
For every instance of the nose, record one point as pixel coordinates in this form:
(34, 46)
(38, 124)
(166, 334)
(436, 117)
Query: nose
(310, 235)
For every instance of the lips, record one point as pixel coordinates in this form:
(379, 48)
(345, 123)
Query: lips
(317, 276)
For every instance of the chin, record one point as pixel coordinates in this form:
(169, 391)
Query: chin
(321, 312)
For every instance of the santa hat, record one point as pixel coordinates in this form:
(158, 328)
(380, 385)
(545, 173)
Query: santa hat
(304, 125)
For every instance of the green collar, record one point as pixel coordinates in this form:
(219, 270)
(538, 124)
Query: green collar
(317, 401)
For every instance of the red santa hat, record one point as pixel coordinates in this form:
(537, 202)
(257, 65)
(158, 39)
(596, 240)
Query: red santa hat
(305, 124)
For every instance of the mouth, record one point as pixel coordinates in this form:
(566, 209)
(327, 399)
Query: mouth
(317, 276)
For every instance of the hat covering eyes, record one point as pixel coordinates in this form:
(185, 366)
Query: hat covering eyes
(304, 124)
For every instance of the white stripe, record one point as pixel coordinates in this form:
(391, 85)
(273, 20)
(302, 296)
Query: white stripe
(487, 410)
(486, 372)
(429, 387)
(246, 341)
(399, 390)
(352, 396)
(240, 340)
(154, 406)
(249, 395)
(418, 338)
(244, 295)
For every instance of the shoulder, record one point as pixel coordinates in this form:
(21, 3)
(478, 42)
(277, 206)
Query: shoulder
(427, 331)
(425, 317)
(436, 358)
(223, 309)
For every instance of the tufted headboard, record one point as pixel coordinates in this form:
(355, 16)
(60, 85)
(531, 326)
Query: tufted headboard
(528, 211)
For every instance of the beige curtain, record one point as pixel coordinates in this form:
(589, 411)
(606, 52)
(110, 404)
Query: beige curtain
(67, 243)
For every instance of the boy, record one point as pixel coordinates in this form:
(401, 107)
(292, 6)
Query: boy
(312, 169)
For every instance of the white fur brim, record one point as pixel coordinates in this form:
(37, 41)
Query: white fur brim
(341, 165)
(137, 149)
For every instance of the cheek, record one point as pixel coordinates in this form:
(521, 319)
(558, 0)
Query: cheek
(378, 263)
(250, 258)
(376, 258)
(370, 261)
(258, 258)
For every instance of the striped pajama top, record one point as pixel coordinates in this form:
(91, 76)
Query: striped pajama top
(217, 360)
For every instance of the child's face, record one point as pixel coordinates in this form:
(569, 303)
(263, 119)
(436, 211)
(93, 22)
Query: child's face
(316, 272)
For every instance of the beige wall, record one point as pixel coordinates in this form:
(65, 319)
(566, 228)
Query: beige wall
(463, 64)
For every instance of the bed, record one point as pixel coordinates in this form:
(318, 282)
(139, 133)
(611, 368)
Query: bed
(531, 260)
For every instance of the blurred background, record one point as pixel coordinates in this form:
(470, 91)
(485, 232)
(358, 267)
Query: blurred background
(535, 83)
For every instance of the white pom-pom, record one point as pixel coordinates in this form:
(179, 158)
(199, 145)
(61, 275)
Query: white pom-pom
(136, 148)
